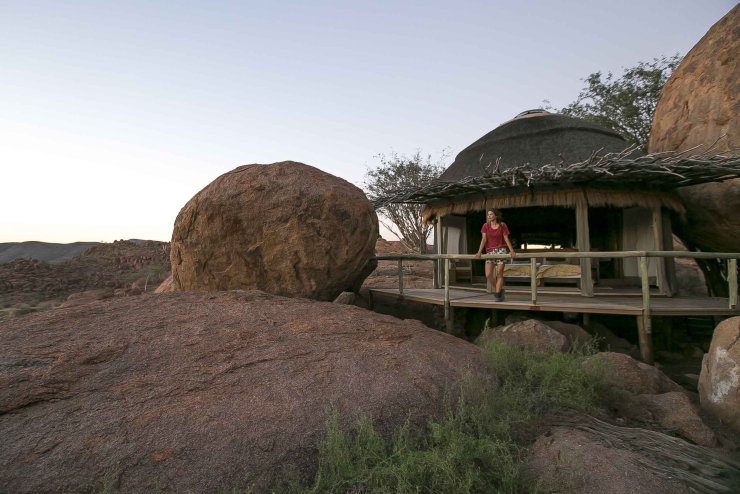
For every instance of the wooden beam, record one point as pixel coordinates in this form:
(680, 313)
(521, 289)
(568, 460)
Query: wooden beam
(400, 276)
(732, 280)
(658, 245)
(533, 279)
(584, 245)
(644, 324)
(449, 315)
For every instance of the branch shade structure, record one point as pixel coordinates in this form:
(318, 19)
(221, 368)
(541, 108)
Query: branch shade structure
(635, 179)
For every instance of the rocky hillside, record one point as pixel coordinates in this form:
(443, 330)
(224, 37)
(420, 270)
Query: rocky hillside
(43, 251)
(120, 264)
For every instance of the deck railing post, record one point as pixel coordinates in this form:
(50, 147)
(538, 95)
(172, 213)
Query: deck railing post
(732, 280)
(533, 278)
(448, 310)
(644, 324)
(400, 276)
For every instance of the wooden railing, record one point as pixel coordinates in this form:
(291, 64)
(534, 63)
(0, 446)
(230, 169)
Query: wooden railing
(644, 321)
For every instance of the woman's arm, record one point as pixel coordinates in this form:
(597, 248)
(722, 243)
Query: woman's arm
(511, 249)
(482, 243)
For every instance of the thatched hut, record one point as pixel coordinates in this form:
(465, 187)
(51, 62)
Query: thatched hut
(562, 184)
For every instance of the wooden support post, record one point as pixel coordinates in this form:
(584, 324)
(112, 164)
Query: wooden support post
(435, 275)
(732, 279)
(644, 324)
(533, 278)
(668, 330)
(586, 318)
(494, 318)
(449, 315)
(646, 342)
(658, 244)
(584, 245)
(440, 250)
(400, 277)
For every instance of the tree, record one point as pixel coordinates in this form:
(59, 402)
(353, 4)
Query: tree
(625, 104)
(399, 171)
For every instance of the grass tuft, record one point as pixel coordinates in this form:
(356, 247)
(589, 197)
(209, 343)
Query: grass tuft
(479, 445)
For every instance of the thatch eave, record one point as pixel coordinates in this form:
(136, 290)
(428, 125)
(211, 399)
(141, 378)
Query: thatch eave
(565, 198)
(614, 173)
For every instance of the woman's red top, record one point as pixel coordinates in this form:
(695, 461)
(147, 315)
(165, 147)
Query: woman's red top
(495, 237)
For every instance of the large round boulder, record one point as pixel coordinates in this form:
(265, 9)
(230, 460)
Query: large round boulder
(285, 228)
(206, 392)
(700, 103)
(719, 381)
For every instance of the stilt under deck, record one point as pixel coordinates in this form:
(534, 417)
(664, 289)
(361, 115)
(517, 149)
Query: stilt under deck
(549, 302)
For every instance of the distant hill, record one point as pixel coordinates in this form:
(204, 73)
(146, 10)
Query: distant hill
(43, 251)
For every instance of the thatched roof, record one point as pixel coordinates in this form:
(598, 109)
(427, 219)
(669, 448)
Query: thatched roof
(538, 138)
(543, 159)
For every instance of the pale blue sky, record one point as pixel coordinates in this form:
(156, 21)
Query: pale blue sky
(112, 115)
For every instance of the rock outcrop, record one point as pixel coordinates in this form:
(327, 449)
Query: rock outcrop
(86, 297)
(205, 392)
(529, 334)
(285, 228)
(719, 381)
(574, 334)
(627, 373)
(568, 460)
(166, 286)
(609, 342)
(700, 103)
(675, 411)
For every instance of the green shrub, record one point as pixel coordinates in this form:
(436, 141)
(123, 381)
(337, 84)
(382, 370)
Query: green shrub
(479, 444)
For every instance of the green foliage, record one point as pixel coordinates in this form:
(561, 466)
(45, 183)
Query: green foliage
(22, 311)
(625, 104)
(399, 171)
(478, 446)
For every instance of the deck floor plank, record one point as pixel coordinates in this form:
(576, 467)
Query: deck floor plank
(660, 306)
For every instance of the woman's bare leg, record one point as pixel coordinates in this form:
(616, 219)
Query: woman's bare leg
(499, 278)
(489, 274)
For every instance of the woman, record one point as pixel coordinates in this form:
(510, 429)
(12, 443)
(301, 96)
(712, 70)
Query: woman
(495, 240)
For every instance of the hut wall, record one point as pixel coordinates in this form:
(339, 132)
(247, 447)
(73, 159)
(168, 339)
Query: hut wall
(454, 234)
(637, 234)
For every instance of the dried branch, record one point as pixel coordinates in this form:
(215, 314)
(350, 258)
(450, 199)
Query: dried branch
(660, 171)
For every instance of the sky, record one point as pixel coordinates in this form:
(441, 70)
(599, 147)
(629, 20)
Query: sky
(114, 114)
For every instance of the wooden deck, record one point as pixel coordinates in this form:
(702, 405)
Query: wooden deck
(549, 302)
